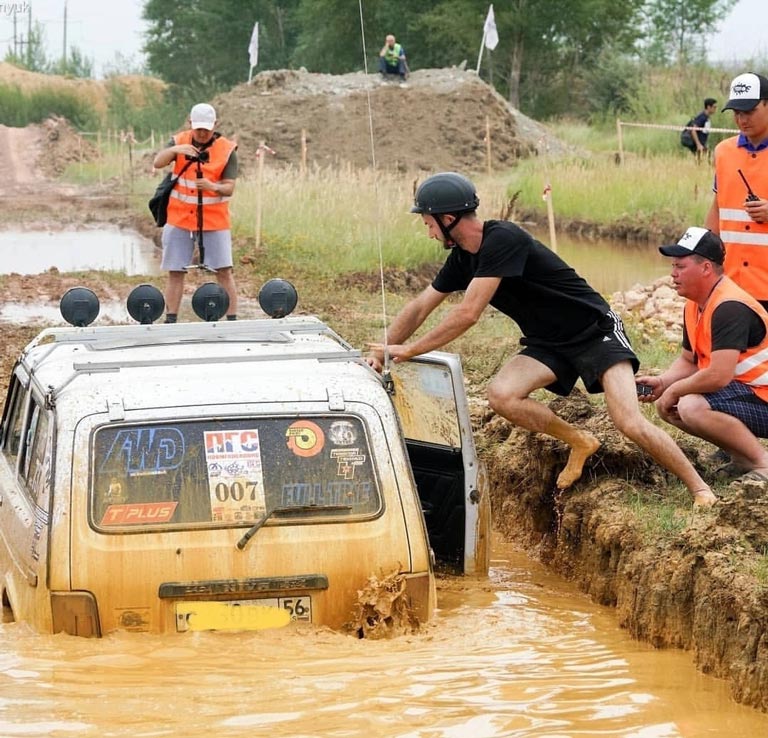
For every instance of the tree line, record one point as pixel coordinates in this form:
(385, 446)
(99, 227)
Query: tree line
(552, 57)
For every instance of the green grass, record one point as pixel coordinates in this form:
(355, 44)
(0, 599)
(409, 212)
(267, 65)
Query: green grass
(661, 516)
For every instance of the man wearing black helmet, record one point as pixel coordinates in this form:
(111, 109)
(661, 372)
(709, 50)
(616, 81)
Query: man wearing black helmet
(569, 331)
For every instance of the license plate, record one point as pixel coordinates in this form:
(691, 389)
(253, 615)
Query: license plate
(274, 612)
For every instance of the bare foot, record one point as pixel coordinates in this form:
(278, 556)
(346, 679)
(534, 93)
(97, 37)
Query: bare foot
(580, 452)
(704, 498)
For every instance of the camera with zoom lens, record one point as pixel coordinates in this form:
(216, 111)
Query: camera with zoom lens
(201, 156)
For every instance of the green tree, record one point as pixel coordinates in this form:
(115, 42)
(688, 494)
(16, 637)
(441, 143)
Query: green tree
(33, 56)
(677, 29)
(75, 65)
(203, 46)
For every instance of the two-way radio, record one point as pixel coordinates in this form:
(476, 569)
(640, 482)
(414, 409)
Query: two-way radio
(751, 196)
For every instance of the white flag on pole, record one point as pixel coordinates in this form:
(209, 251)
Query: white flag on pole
(490, 34)
(253, 47)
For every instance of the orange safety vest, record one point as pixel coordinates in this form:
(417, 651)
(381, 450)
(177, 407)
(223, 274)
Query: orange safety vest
(752, 367)
(746, 242)
(182, 206)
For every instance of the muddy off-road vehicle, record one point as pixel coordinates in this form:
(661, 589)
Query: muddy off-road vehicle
(227, 475)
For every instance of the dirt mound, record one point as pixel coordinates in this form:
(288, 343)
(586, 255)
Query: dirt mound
(437, 121)
(61, 145)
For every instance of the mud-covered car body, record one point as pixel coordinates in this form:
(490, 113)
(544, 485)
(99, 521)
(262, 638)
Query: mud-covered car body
(225, 475)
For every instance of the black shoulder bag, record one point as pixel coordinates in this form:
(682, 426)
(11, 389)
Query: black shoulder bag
(158, 203)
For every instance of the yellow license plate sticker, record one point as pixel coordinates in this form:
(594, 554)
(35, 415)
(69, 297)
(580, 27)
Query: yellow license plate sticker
(229, 616)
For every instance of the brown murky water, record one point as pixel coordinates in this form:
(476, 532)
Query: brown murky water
(610, 266)
(519, 654)
(107, 248)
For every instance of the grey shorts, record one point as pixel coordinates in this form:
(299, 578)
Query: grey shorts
(179, 246)
(605, 345)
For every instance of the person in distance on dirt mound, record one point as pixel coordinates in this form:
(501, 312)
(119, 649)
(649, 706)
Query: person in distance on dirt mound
(569, 331)
(716, 388)
(392, 59)
(199, 149)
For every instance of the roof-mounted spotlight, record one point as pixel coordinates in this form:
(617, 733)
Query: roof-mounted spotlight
(210, 302)
(145, 304)
(278, 298)
(79, 306)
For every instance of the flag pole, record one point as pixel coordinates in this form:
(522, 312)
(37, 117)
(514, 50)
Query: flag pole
(480, 55)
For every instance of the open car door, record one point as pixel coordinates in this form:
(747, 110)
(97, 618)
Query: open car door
(430, 399)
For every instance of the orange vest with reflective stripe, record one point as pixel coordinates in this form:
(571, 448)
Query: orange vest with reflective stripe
(746, 242)
(182, 206)
(752, 367)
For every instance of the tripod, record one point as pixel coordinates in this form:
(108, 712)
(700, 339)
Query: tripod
(199, 240)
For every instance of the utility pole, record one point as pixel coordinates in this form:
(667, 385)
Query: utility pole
(29, 36)
(64, 51)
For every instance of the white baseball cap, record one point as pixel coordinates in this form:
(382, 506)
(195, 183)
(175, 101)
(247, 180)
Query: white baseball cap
(746, 92)
(202, 115)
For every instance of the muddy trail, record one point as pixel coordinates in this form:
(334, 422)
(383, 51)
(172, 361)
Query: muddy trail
(626, 532)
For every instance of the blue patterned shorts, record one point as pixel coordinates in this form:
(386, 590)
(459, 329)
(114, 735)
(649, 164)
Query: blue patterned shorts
(740, 401)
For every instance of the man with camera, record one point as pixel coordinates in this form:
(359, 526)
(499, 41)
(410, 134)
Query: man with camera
(205, 163)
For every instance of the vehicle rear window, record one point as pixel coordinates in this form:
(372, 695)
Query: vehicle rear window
(217, 473)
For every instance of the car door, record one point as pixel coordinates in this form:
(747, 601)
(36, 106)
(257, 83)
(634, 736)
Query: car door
(25, 474)
(428, 394)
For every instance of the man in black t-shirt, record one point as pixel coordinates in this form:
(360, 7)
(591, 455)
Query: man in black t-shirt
(696, 141)
(569, 331)
(716, 389)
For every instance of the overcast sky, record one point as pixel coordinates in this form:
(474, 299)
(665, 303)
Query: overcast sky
(100, 28)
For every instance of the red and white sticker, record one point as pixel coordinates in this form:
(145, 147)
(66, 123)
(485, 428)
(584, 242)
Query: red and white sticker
(143, 513)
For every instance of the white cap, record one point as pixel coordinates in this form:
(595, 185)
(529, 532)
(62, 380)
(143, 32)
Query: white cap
(746, 92)
(202, 115)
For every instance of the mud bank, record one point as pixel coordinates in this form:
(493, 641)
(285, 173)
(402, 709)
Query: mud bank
(626, 533)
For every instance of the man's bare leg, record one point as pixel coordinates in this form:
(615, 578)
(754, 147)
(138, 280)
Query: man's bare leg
(624, 409)
(173, 291)
(226, 280)
(508, 396)
(695, 416)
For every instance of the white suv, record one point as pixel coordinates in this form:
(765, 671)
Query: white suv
(221, 475)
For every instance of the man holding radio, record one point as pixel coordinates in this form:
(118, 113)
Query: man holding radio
(739, 210)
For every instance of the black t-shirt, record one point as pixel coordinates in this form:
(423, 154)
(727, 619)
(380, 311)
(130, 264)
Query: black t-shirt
(550, 302)
(734, 326)
(700, 121)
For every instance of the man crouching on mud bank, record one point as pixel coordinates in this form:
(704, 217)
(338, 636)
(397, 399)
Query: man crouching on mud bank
(569, 331)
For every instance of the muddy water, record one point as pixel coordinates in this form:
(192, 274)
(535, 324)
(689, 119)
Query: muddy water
(106, 248)
(520, 654)
(610, 266)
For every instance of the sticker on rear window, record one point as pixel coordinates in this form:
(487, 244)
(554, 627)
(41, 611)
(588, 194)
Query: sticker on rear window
(305, 438)
(235, 476)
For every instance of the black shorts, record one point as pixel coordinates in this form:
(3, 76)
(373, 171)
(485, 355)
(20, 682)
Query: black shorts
(605, 346)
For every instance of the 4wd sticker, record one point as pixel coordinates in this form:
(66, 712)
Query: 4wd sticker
(235, 477)
(142, 513)
(305, 438)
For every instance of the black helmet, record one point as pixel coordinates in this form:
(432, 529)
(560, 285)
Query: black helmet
(447, 192)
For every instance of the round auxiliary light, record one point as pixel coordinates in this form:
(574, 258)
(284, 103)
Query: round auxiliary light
(145, 304)
(79, 306)
(210, 302)
(278, 298)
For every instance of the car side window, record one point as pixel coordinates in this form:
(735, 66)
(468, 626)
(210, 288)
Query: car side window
(14, 421)
(37, 453)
